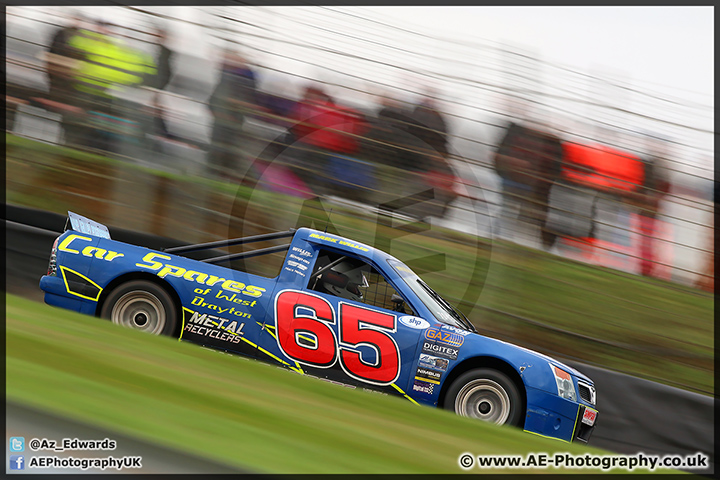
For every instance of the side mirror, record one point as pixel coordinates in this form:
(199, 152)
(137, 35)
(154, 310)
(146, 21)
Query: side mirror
(399, 303)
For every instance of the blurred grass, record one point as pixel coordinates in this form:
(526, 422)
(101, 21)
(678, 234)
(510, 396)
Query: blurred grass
(645, 327)
(235, 410)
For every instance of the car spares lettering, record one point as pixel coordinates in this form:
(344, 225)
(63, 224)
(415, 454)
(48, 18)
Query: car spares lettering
(428, 375)
(166, 269)
(213, 327)
(423, 387)
(429, 361)
(300, 314)
(88, 251)
(233, 298)
(440, 350)
(448, 338)
(200, 302)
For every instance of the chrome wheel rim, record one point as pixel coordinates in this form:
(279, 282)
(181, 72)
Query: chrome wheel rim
(140, 311)
(485, 400)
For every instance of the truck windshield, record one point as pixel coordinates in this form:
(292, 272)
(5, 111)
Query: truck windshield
(438, 306)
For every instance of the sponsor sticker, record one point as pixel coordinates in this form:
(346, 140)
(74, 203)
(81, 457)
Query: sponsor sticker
(423, 387)
(301, 252)
(293, 263)
(429, 361)
(589, 416)
(428, 375)
(414, 322)
(213, 327)
(444, 351)
(443, 336)
(459, 331)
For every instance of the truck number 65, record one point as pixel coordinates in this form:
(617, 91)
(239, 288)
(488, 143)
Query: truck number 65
(304, 334)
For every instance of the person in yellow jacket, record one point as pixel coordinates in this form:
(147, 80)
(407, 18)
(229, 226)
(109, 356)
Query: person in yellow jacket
(106, 66)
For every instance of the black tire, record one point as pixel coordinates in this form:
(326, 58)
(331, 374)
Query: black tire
(142, 305)
(485, 394)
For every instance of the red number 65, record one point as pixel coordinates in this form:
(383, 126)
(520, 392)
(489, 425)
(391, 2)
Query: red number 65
(304, 334)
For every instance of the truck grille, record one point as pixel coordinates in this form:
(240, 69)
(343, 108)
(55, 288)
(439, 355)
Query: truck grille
(587, 392)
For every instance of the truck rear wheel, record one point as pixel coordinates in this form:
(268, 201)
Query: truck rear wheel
(141, 305)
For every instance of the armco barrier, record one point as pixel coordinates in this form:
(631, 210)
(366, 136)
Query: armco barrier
(636, 415)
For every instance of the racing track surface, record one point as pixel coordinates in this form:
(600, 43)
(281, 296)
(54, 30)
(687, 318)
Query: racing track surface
(636, 415)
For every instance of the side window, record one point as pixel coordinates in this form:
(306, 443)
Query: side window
(356, 280)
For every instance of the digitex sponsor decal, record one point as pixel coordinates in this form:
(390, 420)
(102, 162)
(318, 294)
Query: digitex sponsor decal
(414, 322)
(423, 387)
(440, 350)
(429, 361)
(445, 337)
(428, 375)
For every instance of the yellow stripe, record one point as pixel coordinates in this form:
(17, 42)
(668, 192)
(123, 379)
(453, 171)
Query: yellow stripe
(544, 436)
(404, 394)
(577, 415)
(436, 382)
(183, 323)
(67, 287)
(297, 367)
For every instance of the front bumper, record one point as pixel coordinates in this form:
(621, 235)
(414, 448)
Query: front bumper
(551, 416)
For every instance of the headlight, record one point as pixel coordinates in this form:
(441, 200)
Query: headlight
(565, 386)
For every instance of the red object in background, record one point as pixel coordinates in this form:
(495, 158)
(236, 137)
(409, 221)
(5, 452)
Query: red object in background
(602, 167)
(329, 126)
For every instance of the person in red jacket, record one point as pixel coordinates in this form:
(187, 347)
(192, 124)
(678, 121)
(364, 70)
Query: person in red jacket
(322, 129)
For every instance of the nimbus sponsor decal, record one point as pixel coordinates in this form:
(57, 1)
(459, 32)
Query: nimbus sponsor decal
(413, 322)
(440, 350)
(429, 361)
(213, 327)
(448, 338)
(428, 375)
(166, 269)
(423, 387)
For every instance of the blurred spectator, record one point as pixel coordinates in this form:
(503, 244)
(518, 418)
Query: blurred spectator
(655, 186)
(234, 97)
(429, 126)
(107, 65)
(528, 160)
(164, 61)
(59, 66)
(321, 130)
(706, 280)
(392, 143)
(159, 81)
